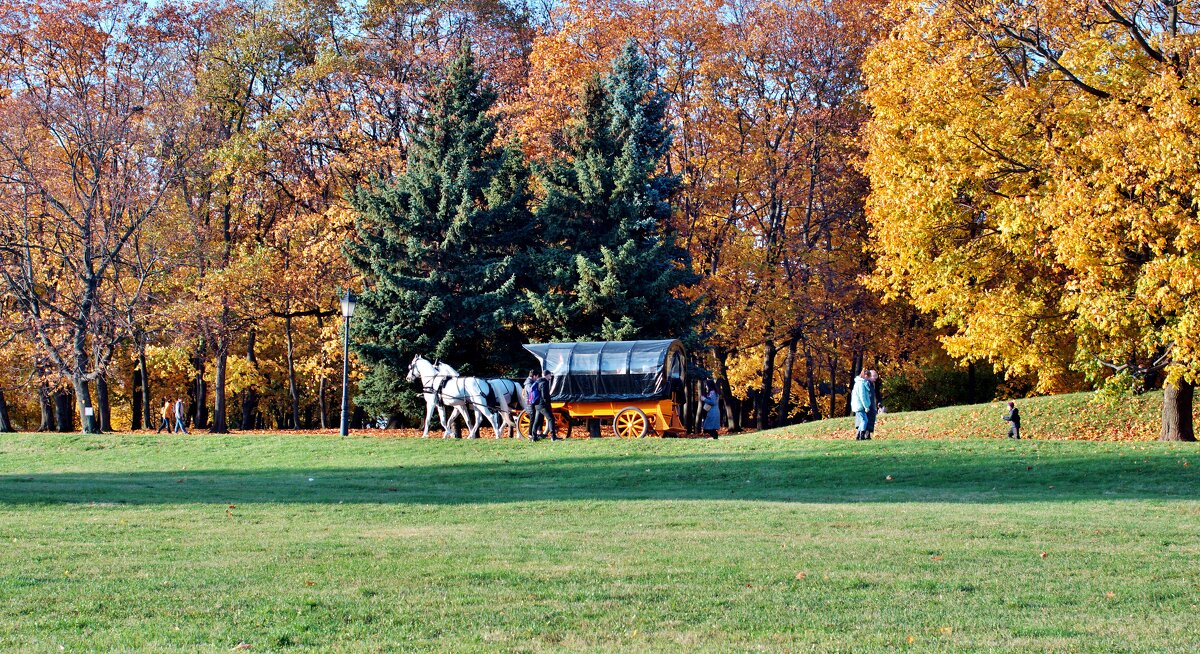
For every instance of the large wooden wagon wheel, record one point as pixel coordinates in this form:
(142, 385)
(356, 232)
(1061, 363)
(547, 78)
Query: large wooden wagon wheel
(562, 421)
(631, 422)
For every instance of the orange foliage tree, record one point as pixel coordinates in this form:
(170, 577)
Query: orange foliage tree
(765, 102)
(89, 152)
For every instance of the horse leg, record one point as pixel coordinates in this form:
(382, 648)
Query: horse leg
(447, 421)
(506, 422)
(475, 424)
(428, 416)
(497, 420)
(460, 411)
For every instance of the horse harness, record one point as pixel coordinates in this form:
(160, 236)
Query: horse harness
(438, 387)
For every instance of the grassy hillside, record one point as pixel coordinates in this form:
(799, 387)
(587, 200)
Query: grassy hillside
(146, 543)
(1079, 416)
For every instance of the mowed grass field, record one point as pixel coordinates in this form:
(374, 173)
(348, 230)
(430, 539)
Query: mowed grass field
(1076, 416)
(137, 543)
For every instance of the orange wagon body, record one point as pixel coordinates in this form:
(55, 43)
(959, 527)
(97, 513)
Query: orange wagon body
(631, 385)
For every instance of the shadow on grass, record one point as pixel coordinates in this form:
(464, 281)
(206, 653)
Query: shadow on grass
(773, 477)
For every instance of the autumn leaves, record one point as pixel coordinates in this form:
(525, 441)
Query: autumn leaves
(1029, 187)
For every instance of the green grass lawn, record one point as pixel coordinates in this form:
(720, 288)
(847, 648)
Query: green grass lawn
(1077, 416)
(751, 543)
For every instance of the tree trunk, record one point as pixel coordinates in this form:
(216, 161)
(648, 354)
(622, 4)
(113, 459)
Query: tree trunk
(219, 425)
(136, 401)
(784, 408)
(103, 407)
(832, 387)
(971, 383)
(6, 425)
(1177, 412)
(147, 408)
(46, 403)
(250, 399)
(731, 410)
(293, 393)
(322, 406)
(200, 395)
(64, 412)
(810, 373)
(766, 391)
(83, 402)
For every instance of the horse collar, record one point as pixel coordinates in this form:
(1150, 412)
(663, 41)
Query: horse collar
(438, 387)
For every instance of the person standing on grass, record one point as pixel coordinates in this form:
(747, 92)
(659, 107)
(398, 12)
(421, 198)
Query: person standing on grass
(542, 415)
(180, 416)
(876, 403)
(711, 403)
(167, 415)
(530, 381)
(1014, 418)
(862, 398)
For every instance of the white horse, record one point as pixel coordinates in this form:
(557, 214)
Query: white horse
(470, 397)
(500, 414)
(436, 377)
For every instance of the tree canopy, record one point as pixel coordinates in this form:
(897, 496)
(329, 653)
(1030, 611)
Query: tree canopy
(1034, 183)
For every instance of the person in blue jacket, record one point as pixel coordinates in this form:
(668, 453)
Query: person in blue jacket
(862, 402)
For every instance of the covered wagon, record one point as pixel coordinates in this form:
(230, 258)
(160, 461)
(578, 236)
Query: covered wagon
(634, 386)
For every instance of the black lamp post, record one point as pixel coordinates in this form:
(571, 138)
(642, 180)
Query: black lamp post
(348, 302)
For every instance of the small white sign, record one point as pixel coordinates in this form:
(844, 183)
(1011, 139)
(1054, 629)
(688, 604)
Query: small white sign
(88, 411)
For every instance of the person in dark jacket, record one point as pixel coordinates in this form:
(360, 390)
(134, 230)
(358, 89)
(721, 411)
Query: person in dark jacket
(542, 415)
(1014, 418)
(712, 417)
(876, 404)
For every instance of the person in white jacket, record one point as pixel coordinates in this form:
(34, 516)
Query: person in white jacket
(862, 401)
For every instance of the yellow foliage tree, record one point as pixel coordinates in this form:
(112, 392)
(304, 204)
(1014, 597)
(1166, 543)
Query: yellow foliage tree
(1035, 185)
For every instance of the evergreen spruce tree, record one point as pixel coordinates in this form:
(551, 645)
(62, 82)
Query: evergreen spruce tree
(611, 267)
(441, 248)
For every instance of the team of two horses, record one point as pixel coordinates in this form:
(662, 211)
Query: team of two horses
(473, 398)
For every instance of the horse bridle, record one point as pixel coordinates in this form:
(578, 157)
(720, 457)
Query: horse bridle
(436, 391)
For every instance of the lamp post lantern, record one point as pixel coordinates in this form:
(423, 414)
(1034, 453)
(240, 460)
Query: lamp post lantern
(348, 302)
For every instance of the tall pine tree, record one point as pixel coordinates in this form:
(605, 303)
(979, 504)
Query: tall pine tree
(611, 267)
(441, 248)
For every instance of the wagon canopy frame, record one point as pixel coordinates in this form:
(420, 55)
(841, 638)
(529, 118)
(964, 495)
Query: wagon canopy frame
(612, 371)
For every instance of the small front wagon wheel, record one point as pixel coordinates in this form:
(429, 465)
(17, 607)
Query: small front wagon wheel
(631, 422)
(524, 422)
